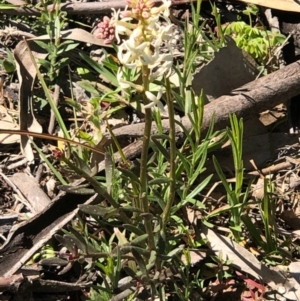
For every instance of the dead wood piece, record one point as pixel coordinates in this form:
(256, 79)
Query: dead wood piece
(86, 8)
(6, 222)
(255, 97)
(81, 8)
(26, 74)
(19, 284)
(35, 196)
(250, 99)
(52, 286)
(8, 219)
(11, 283)
(247, 102)
(27, 238)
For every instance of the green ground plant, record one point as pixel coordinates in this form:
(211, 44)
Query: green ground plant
(146, 199)
(140, 231)
(256, 40)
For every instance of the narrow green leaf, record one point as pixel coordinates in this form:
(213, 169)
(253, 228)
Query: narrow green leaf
(88, 86)
(207, 224)
(237, 228)
(80, 163)
(57, 174)
(46, 46)
(161, 180)
(256, 235)
(108, 171)
(133, 229)
(200, 187)
(187, 134)
(97, 210)
(141, 263)
(65, 48)
(195, 202)
(128, 249)
(160, 136)
(176, 251)
(66, 243)
(161, 148)
(183, 161)
(129, 272)
(49, 96)
(100, 69)
(129, 175)
(139, 239)
(221, 175)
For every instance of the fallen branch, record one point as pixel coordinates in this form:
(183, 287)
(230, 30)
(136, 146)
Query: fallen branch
(27, 238)
(92, 8)
(80, 8)
(86, 8)
(247, 102)
(11, 283)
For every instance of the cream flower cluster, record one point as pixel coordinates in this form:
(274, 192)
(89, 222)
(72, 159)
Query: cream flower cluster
(140, 23)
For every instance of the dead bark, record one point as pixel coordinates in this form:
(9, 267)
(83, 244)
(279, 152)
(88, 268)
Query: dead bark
(27, 238)
(11, 283)
(85, 8)
(247, 102)
(80, 8)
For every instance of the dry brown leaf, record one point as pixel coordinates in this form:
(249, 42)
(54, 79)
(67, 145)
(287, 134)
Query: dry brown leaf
(248, 263)
(195, 257)
(77, 34)
(286, 5)
(35, 196)
(26, 74)
(7, 122)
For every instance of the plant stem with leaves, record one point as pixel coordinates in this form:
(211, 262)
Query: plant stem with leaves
(142, 51)
(172, 174)
(143, 196)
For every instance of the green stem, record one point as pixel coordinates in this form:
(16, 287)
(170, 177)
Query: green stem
(167, 211)
(98, 189)
(143, 196)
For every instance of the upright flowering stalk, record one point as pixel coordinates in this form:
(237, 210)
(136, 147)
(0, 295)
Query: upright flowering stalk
(141, 49)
